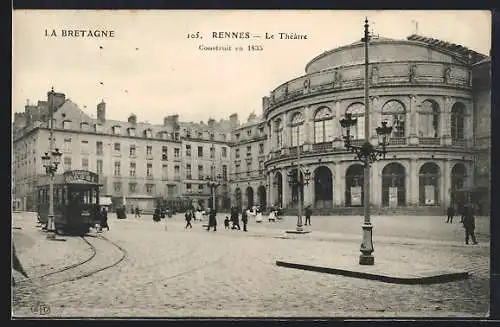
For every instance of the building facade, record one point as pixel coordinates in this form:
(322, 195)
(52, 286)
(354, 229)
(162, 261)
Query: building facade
(137, 162)
(422, 87)
(435, 95)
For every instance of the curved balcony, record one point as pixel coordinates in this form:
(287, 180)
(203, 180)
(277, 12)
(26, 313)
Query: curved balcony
(381, 74)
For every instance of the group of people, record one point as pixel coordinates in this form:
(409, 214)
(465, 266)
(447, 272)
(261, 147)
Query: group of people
(103, 219)
(466, 218)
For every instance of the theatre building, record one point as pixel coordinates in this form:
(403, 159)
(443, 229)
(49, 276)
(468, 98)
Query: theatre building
(424, 88)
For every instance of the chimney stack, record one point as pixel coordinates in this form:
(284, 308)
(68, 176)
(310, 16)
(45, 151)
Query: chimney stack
(233, 120)
(101, 112)
(132, 119)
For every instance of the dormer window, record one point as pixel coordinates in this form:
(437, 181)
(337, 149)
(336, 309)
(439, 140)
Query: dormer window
(200, 135)
(249, 132)
(116, 130)
(148, 134)
(84, 126)
(131, 131)
(67, 124)
(188, 133)
(237, 136)
(164, 135)
(261, 130)
(98, 128)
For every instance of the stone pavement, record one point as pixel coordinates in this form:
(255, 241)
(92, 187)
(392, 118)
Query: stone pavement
(194, 272)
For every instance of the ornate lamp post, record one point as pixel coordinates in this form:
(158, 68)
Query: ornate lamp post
(51, 163)
(295, 180)
(367, 154)
(213, 181)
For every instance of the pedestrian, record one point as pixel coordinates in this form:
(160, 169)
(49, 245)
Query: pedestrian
(308, 213)
(236, 220)
(104, 219)
(212, 220)
(244, 219)
(450, 212)
(188, 215)
(272, 216)
(137, 212)
(469, 224)
(226, 223)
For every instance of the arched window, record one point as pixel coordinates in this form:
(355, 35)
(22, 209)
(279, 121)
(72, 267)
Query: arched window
(357, 110)
(297, 123)
(429, 184)
(428, 119)
(323, 127)
(393, 112)
(278, 131)
(458, 121)
(393, 185)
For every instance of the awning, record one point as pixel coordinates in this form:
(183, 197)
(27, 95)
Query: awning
(105, 201)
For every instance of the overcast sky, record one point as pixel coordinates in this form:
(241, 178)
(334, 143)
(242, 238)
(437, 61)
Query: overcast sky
(152, 69)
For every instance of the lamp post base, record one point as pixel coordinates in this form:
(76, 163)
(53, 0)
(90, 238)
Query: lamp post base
(51, 235)
(366, 260)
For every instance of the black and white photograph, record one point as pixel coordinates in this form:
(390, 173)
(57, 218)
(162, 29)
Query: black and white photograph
(251, 164)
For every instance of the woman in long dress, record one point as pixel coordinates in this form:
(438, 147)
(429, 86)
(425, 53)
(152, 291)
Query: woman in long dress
(258, 216)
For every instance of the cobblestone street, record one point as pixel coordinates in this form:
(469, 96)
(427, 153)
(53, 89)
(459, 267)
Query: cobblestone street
(178, 272)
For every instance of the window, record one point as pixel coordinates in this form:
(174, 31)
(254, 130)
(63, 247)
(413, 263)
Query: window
(428, 119)
(297, 136)
(188, 133)
(188, 171)
(99, 166)
(278, 131)
(117, 186)
(149, 150)
(131, 131)
(200, 171)
(237, 153)
(148, 134)
(224, 172)
(261, 167)
(177, 172)
(164, 172)
(132, 169)
(132, 187)
(212, 136)
(200, 151)
(164, 135)
(67, 124)
(237, 170)
(188, 150)
(249, 132)
(116, 130)
(200, 188)
(188, 188)
(132, 151)
(98, 148)
(212, 152)
(394, 114)
(150, 188)
(224, 152)
(84, 126)
(164, 153)
(67, 163)
(249, 151)
(85, 163)
(98, 128)
(261, 130)
(170, 190)
(117, 147)
(261, 148)
(357, 110)
(458, 121)
(84, 147)
(117, 169)
(176, 136)
(323, 125)
(177, 152)
(149, 170)
(67, 145)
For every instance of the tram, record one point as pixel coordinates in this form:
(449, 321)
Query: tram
(76, 201)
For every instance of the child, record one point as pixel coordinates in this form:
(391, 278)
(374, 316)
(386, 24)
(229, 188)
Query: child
(226, 223)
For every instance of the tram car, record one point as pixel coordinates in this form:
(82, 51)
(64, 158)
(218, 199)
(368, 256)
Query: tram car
(76, 201)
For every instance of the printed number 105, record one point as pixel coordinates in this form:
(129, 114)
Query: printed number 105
(255, 48)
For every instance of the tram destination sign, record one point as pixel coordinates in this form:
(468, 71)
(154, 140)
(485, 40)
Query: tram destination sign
(75, 176)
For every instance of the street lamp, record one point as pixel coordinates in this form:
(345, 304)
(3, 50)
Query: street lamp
(296, 180)
(213, 181)
(366, 153)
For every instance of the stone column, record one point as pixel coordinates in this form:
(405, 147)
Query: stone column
(376, 189)
(469, 124)
(308, 132)
(338, 181)
(446, 177)
(286, 130)
(414, 183)
(285, 188)
(446, 121)
(270, 141)
(413, 110)
(270, 189)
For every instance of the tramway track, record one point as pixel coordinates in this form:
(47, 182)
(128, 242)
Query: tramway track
(82, 269)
